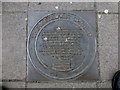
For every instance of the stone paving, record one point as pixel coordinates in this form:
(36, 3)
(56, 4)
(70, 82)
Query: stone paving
(14, 27)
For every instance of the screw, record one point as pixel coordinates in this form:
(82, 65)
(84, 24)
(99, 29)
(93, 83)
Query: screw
(56, 7)
(106, 11)
(45, 38)
(58, 28)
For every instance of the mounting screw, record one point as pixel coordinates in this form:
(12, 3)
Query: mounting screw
(45, 38)
(106, 11)
(56, 7)
(58, 28)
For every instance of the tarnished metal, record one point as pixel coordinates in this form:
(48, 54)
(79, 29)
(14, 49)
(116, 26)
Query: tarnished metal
(62, 46)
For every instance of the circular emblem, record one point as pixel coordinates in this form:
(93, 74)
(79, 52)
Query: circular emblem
(62, 46)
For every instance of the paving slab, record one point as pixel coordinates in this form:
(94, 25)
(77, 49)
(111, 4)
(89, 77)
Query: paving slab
(14, 85)
(112, 7)
(14, 42)
(108, 45)
(14, 0)
(84, 85)
(104, 84)
(62, 85)
(14, 45)
(41, 85)
(119, 36)
(0, 47)
(0, 41)
(61, 6)
(0, 7)
(14, 6)
(0, 84)
(61, 1)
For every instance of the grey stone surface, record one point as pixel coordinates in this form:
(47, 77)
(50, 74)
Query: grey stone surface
(14, 0)
(14, 85)
(45, 1)
(84, 85)
(0, 47)
(0, 84)
(62, 85)
(104, 84)
(0, 41)
(14, 6)
(119, 37)
(41, 85)
(0, 7)
(112, 7)
(108, 45)
(61, 6)
(14, 45)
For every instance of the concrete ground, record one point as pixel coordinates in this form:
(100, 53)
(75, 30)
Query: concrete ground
(14, 27)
